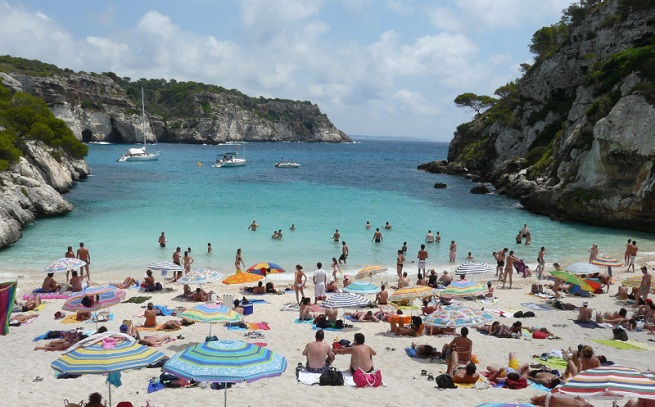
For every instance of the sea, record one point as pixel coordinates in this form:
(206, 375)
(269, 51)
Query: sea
(121, 209)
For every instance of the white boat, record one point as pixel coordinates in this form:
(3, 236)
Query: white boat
(230, 159)
(140, 154)
(287, 164)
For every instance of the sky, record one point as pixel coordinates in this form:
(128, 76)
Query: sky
(386, 68)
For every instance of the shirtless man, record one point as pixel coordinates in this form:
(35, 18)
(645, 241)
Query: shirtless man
(361, 356)
(162, 240)
(377, 236)
(151, 316)
(509, 268)
(49, 284)
(429, 238)
(632, 252)
(422, 256)
(644, 287)
(300, 279)
(466, 375)
(403, 281)
(382, 297)
(253, 226)
(586, 361)
(387, 226)
(76, 282)
(445, 279)
(83, 254)
(336, 236)
(584, 313)
(344, 252)
(458, 351)
(540, 262)
(363, 316)
(155, 340)
(626, 254)
(500, 262)
(319, 354)
(176, 256)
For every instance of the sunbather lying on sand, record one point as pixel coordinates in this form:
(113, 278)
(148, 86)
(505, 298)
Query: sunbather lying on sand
(32, 302)
(127, 283)
(551, 400)
(425, 351)
(55, 345)
(363, 316)
(22, 318)
(155, 340)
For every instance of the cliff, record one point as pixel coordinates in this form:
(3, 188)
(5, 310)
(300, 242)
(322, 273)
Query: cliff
(573, 138)
(104, 107)
(32, 188)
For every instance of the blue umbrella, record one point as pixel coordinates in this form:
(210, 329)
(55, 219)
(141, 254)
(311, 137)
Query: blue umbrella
(226, 362)
(361, 288)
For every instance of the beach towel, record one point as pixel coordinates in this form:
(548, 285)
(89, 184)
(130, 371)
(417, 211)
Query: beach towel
(542, 296)
(623, 345)
(590, 324)
(500, 312)
(305, 377)
(555, 363)
(303, 321)
(6, 305)
(329, 328)
(50, 296)
(48, 335)
(256, 301)
(252, 326)
(165, 311)
(70, 319)
(290, 307)
(481, 379)
(535, 307)
(139, 299)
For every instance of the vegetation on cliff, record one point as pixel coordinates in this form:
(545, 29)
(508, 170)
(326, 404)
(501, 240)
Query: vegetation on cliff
(24, 117)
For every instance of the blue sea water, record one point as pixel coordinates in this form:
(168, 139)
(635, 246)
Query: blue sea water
(121, 209)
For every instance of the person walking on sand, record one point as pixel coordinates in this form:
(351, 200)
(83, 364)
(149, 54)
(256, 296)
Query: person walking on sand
(238, 261)
(500, 262)
(299, 282)
(162, 240)
(453, 251)
(336, 236)
(319, 354)
(422, 257)
(644, 287)
(83, 254)
(253, 226)
(400, 262)
(633, 249)
(320, 281)
(361, 356)
(188, 261)
(540, 262)
(344, 252)
(176, 256)
(377, 236)
(509, 268)
(626, 255)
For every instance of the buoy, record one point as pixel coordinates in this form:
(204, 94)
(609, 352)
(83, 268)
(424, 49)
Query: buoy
(199, 164)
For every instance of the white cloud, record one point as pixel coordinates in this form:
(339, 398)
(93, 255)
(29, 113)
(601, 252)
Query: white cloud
(414, 102)
(508, 13)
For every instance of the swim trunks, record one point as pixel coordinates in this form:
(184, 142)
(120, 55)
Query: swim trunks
(541, 261)
(317, 370)
(319, 290)
(421, 264)
(377, 240)
(514, 364)
(501, 263)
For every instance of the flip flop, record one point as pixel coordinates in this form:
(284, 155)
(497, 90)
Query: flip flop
(430, 377)
(424, 372)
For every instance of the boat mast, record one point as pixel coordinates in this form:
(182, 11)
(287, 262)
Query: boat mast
(143, 120)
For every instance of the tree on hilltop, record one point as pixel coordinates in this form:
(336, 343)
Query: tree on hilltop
(477, 103)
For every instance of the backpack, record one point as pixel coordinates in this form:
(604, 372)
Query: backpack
(338, 324)
(620, 334)
(321, 321)
(444, 381)
(158, 287)
(331, 377)
(518, 314)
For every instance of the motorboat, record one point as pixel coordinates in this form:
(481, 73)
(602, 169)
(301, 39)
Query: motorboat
(230, 159)
(287, 164)
(140, 154)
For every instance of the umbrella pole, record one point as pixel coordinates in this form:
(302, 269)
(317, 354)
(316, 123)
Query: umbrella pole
(225, 403)
(109, 386)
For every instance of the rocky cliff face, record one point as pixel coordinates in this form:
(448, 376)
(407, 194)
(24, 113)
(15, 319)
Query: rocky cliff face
(32, 188)
(575, 140)
(96, 108)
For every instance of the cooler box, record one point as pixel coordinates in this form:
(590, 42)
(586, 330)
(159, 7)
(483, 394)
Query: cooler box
(247, 309)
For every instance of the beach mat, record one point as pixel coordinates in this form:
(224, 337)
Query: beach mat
(256, 301)
(627, 345)
(535, 307)
(252, 326)
(303, 321)
(555, 363)
(70, 319)
(139, 299)
(305, 377)
(590, 324)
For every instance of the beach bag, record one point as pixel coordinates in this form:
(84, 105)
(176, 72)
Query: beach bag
(444, 381)
(620, 334)
(331, 377)
(321, 321)
(528, 314)
(518, 314)
(363, 379)
(158, 287)
(338, 324)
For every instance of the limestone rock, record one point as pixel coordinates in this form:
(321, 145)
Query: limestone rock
(480, 189)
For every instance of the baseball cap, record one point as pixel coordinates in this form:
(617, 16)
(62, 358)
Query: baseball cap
(585, 303)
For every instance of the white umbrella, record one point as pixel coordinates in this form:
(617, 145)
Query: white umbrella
(473, 267)
(582, 268)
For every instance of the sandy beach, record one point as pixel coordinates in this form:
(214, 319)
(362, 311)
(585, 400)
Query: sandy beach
(33, 381)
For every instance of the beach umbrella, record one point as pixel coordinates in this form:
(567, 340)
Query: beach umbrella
(369, 271)
(606, 261)
(610, 382)
(463, 288)
(226, 362)
(345, 300)
(268, 268)
(101, 297)
(242, 278)
(165, 267)
(635, 282)
(571, 279)
(582, 268)
(63, 264)
(200, 277)
(361, 288)
(211, 313)
(454, 317)
(410, 293)
(93, 355)
(474, 267)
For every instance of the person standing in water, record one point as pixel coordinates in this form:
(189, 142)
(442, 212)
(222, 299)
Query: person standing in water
(253, 226)
(162, 240)
(188, 261)
(377, 236)
(344, 252)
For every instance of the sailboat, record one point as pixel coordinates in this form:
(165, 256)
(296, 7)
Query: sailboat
(140, 154)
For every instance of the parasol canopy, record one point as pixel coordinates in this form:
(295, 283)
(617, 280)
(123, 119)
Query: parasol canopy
(582, 268)
(345, 300)
(474, 267)
(242, 278)
(200, 276)
(410, 293)
(455, 317)
(100, 297)
(369, 271)
(361, 288)
(610, 382)
(572, 279)
(463, 288)
(267, 267)
(63, 264)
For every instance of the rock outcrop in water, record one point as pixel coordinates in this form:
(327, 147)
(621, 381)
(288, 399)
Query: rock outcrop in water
(32, 188)
(107, 108)
(573, 138)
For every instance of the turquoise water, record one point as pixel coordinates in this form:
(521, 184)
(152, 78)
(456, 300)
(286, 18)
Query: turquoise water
(121, 209)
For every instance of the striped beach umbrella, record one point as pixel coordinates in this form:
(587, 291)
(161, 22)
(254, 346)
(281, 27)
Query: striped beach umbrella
(473, 268)
(370, 271)
(635, 282)
(462, 289)
(242, 278)
(582, 268)
(165, 265)
(610, 382)
(93, 356)
(211, 313)
(410, 293)
(361, 288)
(200, 276)
(264, 268)
(100, 297)
(62, 265)
(455, 317)
(571, 279)
(345, 300)
(606, 261)
(226, 362)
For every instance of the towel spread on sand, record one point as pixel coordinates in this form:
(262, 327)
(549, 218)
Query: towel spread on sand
(70, 319)
(542, 296)
(555, 363)
(590, 324)
(534, 306)
(303, 321)
(627, 345)
(305, 377)
(252, 326)
(139, 299)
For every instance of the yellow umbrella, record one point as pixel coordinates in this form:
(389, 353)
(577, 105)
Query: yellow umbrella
(370, 271)
(409, 293)
(242, 278)
(634, 282)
